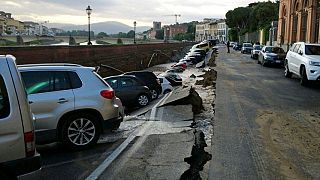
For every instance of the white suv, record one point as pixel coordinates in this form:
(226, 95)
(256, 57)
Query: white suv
(303, 60)
(71, 103)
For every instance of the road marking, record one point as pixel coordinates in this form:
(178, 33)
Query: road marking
(106, 163)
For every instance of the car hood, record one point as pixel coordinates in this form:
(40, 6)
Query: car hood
(315, 58)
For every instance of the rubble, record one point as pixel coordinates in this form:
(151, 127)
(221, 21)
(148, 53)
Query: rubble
(209, 78)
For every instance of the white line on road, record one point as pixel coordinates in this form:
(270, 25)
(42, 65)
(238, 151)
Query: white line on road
(106, 163)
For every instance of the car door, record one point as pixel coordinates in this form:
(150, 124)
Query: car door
(294, 63)
(50, 96)
(128, 88)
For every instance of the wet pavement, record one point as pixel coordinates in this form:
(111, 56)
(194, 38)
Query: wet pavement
(266, 126)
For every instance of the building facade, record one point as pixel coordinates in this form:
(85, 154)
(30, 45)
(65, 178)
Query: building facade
(172, 30)
(298, 21)
(212, 29)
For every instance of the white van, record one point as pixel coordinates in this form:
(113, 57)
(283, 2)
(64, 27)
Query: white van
(17, 140)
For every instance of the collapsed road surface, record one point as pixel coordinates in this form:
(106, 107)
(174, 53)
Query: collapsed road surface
(266, 126)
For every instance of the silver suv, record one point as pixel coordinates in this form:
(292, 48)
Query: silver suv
(17, 141)
(71, 103)
(303, 60)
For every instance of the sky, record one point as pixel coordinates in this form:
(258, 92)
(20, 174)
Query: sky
(144, 12)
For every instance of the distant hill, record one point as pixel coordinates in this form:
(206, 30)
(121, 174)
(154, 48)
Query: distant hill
(109, 27)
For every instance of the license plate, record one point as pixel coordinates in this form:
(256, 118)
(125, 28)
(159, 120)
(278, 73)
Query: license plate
(278, 61)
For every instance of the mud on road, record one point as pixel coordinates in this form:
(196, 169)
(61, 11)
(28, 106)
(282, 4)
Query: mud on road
(291, 140)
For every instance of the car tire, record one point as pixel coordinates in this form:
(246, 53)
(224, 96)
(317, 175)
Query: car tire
(80, 131)
(142, 100)
(304, 79)
(154, 94)
(287, 72)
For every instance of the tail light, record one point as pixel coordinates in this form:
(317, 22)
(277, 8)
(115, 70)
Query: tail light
(158, 81)
(108, 94)
(29, 143)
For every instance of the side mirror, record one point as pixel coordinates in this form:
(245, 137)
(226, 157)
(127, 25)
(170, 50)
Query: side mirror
(263, 51)
(300, 52)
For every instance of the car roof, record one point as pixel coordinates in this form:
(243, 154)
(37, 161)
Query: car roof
(122, 75)
(52, 66)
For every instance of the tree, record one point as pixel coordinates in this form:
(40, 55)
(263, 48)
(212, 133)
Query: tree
(130, 34)
(119, 41)
(102, 35)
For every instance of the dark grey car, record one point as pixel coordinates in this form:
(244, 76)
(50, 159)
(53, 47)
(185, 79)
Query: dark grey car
(272, 55)
(131, 90)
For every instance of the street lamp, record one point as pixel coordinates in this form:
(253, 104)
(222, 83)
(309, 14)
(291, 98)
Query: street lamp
(134, 32)
(89, 11)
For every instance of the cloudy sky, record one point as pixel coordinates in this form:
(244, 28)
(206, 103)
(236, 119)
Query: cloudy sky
(125, 11)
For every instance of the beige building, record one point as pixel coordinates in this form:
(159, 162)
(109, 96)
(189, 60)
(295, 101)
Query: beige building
(298, 21)
(211, 29)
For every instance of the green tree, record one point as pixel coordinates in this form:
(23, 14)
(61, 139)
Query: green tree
(119, 41)
(130, 34)
(102, 35)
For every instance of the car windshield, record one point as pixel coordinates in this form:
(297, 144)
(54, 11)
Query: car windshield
(247, 45)
(274, 50)
(312, 50)
(257, 47)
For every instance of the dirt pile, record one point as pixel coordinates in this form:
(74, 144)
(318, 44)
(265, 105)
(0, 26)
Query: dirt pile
(212, 60)
(293, 142)
(209, 78)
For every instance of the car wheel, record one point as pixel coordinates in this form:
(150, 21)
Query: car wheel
(287, 73)
(304, 79)
(142, 100)
(154, 94)
(80, 131)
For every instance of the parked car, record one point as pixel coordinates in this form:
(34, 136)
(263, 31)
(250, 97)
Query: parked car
(256, 51)
(72, 103)
(237, 47)
(173, 78)
(212, 42)
(166, 85)
(131, 90)
(246, 48)
(17, 140)
(203, 45)
(232, 44)
(181, 66)
(271, 55)
(303, 60)
(150, 80)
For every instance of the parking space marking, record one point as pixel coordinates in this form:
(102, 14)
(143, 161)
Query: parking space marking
(106, 163)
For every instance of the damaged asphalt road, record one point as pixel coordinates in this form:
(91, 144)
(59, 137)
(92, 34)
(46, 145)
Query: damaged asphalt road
(266, 126)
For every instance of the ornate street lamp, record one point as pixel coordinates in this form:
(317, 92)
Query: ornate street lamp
(134, 32)
(89, 11)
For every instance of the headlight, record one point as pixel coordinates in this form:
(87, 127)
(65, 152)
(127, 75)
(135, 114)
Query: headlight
(312, 63)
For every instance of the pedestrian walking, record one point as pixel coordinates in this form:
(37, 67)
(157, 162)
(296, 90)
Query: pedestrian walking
(228, 44)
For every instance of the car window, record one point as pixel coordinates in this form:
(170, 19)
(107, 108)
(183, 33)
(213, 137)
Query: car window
(257, 47)
(296, 48)
(277, 50)
(61, 81)
(75, 80)
(268, 49)
(45, 81)
(312, 50)
(113, 83)
(126, 82)
(4, 100)
(293, 46)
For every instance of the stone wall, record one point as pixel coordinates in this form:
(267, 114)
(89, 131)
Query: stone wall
(124, 57)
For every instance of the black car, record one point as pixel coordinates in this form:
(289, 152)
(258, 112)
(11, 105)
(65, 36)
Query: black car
(150, 80)
(130, 90)
(237, 47)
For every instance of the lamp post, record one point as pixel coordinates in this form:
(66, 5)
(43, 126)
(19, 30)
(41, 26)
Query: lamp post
(134, 32)
(89, 11)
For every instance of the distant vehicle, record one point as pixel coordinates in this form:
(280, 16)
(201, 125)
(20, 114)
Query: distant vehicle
(237, 47)
(150, 80)
(271, 55)
(166, 85)
(303, 59)
(17, 139)
(256, 51)
(72, 103)
(212, 42)
(131, 90)
(232, 44)
(181, 66)
(173, 78)
(246, 48)
(203, 45)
